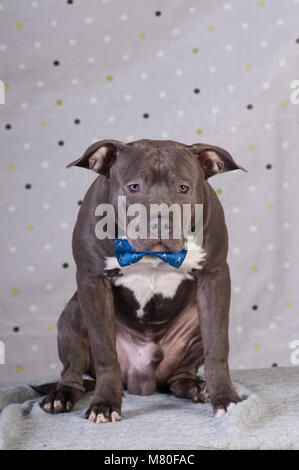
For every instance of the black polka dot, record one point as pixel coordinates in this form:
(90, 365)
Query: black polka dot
(249, 106)
(196, 91)
(8, 126)
(65, 265)
(16, 329)
(274, 364)
(158, 13)
(70, 2)
(254, 307)
(60, 142)
(56, 63)
(269, 166)
(79, 203)
(28, 186)
(297, 40)
(146, 115)
(77, 121)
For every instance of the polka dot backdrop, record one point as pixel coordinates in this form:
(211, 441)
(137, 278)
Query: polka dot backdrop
(216, 72)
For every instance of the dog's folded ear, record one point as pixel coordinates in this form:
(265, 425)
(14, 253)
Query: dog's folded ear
(214, 159)
(100, 156)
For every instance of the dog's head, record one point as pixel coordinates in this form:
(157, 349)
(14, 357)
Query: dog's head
(151, 173)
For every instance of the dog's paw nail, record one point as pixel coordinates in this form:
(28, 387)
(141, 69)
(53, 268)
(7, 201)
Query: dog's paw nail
(230, 406)
(47, 406)
(205, 395)
(57, 405)
(92, 417)
(68, 406)
(115, 416)
(194, 393)
(101, 418)
(220, 412)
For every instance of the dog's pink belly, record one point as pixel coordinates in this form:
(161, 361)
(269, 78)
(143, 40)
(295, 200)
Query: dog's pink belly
(151, 356)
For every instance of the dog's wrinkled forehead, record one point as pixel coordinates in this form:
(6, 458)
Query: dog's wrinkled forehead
(158, 148)
(158, 157)
(166, 145)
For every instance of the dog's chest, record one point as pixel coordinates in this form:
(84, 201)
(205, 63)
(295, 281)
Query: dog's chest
(151, 276)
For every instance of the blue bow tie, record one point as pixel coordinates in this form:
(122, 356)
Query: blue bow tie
(126, 254)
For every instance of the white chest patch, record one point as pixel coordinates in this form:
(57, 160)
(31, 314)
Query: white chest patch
(151, 275)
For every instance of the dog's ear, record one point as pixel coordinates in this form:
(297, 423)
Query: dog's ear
(214, 159)
(100, 156)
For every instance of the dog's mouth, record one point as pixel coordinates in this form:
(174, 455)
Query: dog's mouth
(159, 247)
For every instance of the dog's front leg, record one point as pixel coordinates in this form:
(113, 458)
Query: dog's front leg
(213, 301)
(97, 305)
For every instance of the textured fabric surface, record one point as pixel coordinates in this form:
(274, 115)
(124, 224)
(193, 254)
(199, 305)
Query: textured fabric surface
(266, 419)
(217, 72)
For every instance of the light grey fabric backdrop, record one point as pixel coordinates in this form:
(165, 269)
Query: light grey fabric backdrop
(192, 71)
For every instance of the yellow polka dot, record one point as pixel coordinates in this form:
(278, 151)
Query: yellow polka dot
(43, 124)
(195, 50)
(211, 28)
(51, 326)
(199, 131)
(109, 78)
(247, 66)
(219, 191)
(261, 4)
(19, 26)
(59, 102)
(10, 166)
(6, 86)
(284, 104)
(251, 147)
(14, 290)
(269, 207)
(19, 368)
(29, 227)
(288, 304)
(256, 347)
(142, 35)
(253, 268)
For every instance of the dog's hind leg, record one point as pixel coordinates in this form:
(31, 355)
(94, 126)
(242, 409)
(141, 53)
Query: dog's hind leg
(184, 381)
(73, 350)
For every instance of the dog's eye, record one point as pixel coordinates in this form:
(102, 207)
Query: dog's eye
(134, 188)
(184, 188)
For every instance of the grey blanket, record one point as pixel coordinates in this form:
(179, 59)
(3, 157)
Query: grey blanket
(267, 418)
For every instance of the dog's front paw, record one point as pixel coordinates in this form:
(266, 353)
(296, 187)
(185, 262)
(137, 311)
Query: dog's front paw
(223, 402)
(60, 400)
(103, 413)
